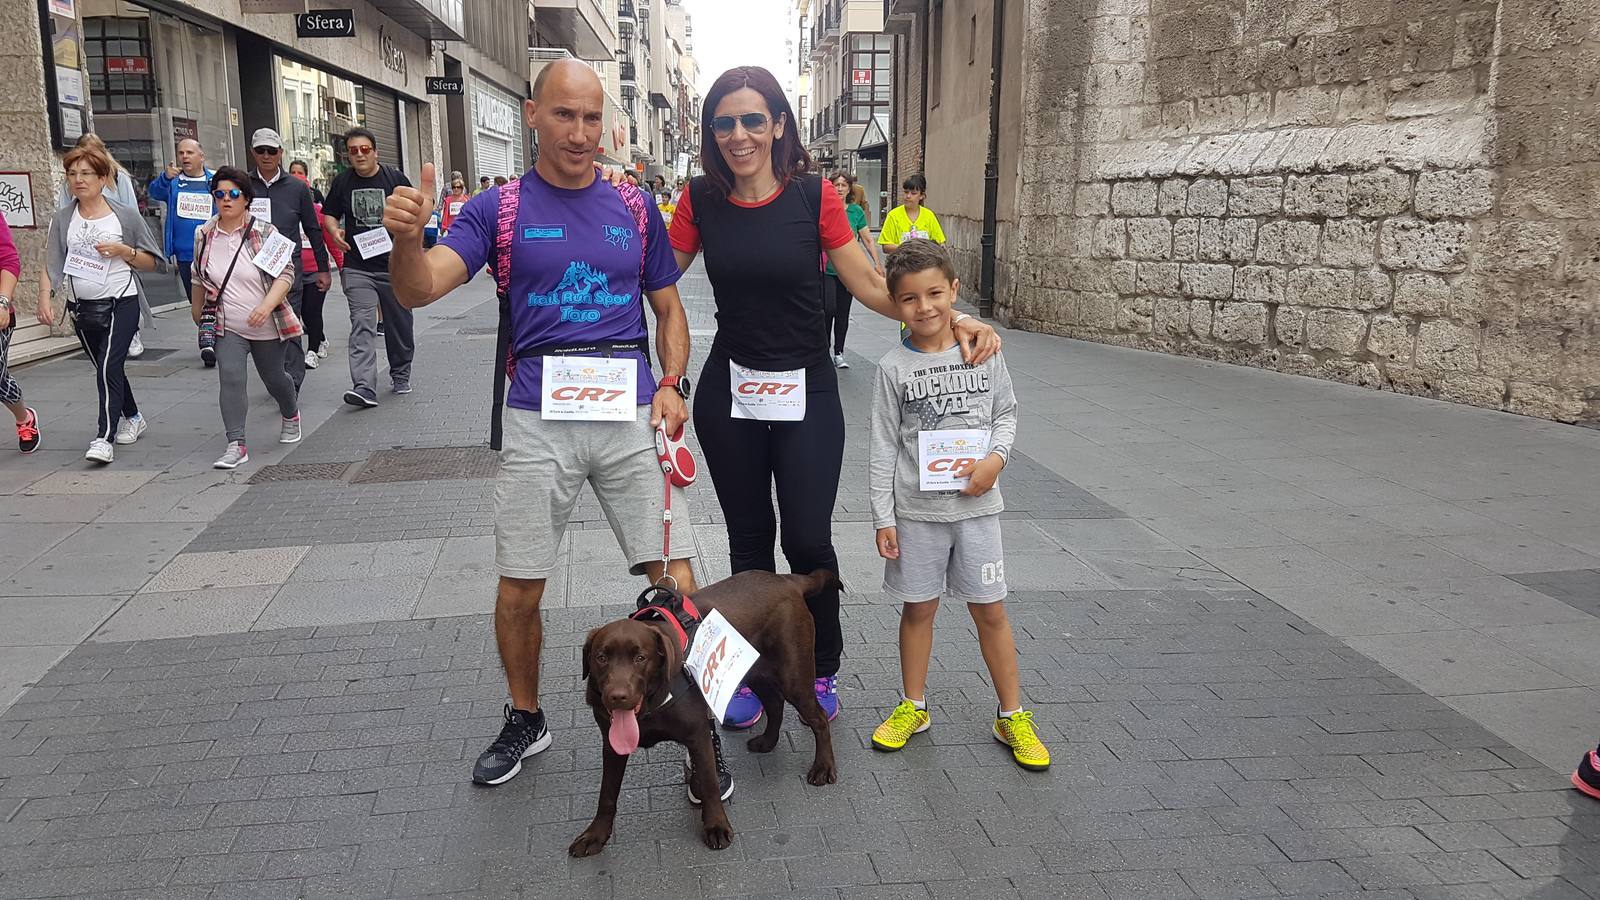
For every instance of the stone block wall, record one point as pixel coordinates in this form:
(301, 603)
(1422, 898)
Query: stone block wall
(1400, 194)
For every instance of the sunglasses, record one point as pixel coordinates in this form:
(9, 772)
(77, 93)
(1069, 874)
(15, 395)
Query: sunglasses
(232, 194)
(754, 123)
(361, 150)
(269, 151)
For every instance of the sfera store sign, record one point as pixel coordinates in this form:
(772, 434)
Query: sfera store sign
(326, 23)
(448, 85)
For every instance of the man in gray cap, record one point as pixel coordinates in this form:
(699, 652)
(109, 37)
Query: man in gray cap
(286, 201)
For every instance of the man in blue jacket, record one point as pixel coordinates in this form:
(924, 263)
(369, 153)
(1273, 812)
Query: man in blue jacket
(186, 190)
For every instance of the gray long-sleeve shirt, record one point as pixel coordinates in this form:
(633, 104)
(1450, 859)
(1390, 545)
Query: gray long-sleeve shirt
(918, 392)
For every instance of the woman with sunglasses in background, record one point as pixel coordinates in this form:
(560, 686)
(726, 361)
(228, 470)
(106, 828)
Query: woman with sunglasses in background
(101, 247)
(243, 271)
(453, 201)
(763, 221)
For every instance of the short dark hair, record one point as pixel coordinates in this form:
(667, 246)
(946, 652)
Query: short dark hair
(918, 255)
(246, 187)
(359, 132)
(914, 183)
(301, 163)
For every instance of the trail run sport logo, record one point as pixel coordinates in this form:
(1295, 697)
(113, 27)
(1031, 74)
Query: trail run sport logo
(581, 286)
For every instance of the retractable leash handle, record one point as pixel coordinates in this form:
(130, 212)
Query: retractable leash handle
(677, 468)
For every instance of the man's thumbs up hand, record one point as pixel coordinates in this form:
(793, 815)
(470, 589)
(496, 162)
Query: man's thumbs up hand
(408, 209)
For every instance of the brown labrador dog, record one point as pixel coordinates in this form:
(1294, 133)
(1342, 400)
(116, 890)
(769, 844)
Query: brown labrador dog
(629, 665)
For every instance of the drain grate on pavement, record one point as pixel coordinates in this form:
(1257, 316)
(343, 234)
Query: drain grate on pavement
(300, 472)
(428, 464)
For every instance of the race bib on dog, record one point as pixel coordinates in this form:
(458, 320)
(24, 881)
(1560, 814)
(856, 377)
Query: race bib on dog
(718, 660)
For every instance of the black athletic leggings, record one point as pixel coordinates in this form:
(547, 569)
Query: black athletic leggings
(746, 458)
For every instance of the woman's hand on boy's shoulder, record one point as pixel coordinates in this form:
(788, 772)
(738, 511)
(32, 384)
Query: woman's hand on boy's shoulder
(889, 543)
(978, 340)
(982, 476)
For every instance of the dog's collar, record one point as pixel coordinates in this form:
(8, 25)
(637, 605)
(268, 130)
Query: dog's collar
(674, 608)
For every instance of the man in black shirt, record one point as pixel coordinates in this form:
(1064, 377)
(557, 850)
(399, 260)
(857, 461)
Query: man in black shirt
(353, 218)
(287, 202)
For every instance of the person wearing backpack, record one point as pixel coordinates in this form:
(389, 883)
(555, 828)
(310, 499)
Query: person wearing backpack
(574, 259)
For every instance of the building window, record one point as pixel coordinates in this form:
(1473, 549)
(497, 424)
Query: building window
(119, 57)
(867, 76)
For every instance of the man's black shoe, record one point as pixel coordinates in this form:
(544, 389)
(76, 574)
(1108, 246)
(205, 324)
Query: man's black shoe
(724, 777)
(522, 736)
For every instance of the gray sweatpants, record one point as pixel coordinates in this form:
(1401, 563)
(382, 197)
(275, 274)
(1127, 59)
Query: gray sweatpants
(294, 350)
(366, 292)
(233, 353)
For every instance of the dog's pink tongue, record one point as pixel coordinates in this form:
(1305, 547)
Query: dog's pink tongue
(624, 735)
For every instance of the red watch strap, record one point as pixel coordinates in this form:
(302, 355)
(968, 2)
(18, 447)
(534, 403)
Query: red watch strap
(669, 381)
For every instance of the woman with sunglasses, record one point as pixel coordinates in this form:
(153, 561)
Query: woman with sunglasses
(243, 271)
(767, 407)
(451, 207)
(100, 247)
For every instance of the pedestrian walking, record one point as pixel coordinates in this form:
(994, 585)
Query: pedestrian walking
(911, 219)
(837, 297)
(247, 268)
(453, 203)
(97, 248)
(10, 390)
(286, 202)
(313, 287)
(119, 190)
(353, 217)
(612, 243)
(764, 220)
(931, 476)
(185, 187)
(299, 168)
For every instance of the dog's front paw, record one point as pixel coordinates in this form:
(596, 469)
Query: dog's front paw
(762, 743)
(822, 773)
(717, 835)
(592, 841)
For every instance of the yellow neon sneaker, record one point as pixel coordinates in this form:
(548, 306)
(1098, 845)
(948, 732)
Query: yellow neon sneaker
(905, 721)
(1016, 731)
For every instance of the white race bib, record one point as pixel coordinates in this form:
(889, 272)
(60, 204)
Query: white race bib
(92, 269)
(589, 389)
(194, 206)
(718, 660)
(274, 255)
(455, 208)
(767, 396)
(261, 208)
(944, 455)
(917, 233)
(374, 243)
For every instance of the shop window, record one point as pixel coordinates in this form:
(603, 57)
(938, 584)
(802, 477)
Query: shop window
(118, 53)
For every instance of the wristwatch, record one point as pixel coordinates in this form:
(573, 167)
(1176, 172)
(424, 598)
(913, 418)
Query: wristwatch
(680, 383)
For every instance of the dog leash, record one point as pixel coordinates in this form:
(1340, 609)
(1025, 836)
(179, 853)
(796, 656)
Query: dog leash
(677, 468)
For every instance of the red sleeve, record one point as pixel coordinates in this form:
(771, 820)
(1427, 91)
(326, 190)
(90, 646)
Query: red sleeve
(684, 233)
(834, 224)
(9, 260)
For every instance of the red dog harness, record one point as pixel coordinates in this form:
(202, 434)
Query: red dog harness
(670, 606)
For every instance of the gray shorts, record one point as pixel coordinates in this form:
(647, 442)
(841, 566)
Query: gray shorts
(957, 560)
(543, 467)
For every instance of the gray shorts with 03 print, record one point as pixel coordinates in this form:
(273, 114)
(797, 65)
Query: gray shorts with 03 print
(955, 560)
(543, 467)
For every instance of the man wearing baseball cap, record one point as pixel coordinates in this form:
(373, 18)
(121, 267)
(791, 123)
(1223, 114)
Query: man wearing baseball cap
(286, 201)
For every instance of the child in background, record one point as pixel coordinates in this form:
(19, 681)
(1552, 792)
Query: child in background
(912, 219)
(940, 539)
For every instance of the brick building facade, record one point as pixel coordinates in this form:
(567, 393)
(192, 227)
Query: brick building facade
(1399, 194)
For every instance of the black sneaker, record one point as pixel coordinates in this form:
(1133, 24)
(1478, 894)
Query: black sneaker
(522, 736)
(28, 433)
(1587, 776)
(208, 356)
(724, 777)
(362, 399)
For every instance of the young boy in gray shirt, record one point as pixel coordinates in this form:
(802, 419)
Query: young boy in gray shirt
(941, 432)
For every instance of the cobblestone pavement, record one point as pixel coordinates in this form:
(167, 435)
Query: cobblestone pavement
(285, 699)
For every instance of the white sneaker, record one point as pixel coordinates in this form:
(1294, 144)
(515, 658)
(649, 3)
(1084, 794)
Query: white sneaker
(323, 350)
(128, 430)
(233, 457)
(135, 347)
(311, 359)
(100, 451)
(838, 361)
(290, 432)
